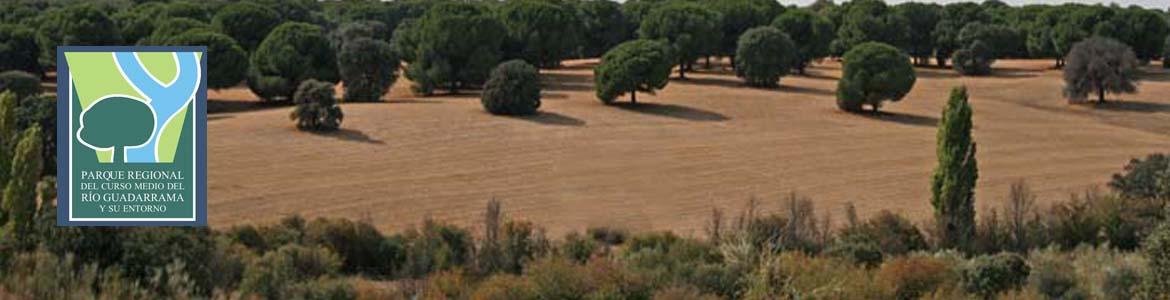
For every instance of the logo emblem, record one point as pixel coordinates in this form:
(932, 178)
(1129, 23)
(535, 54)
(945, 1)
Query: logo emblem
(136, 150)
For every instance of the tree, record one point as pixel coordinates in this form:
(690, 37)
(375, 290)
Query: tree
(1099, 65)
(736, 17)
(185, 9)
(18, 49)
(874, 72)
(974, 60)
(115, 123)
(368, 69)
(358, 29)
(1142, 29)
(20, 203)
(316, 110)
(1000, 40)
(539, 32)
(690, 29)
(20, 83)
(1166, 54)
(1145, 179)
(139, 21)
(41, 111)
(953, 183)
(246, 22)
(1064, 36)
(988, 276)
(765, 54)
(1156, 284)
(75, 25)
(946, 33)
(812, 34)
(512, 89)
(8, 137)
(922, 19)
(227, 63)
(869, 21)
(292, 53)
(604, 26)
(453, 45)
(638, 65)
(169, 28)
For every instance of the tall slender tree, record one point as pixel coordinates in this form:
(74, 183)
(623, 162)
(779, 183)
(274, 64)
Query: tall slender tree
(20, 203)
(953, 185)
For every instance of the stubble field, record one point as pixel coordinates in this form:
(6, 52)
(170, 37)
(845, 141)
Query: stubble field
(663, 164)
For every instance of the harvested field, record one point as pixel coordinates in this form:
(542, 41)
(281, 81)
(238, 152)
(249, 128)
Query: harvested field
(664, 163)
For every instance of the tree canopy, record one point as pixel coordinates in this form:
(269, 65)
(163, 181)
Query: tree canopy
(512, 89)
(638, 65)
(368, 68)
(1100, 65)
(19, 50)
(75, 25)
(539, 31)
(812, 34)
(603, 25)
(872, 73)
(227, 63)
(765, 54)
(292, 53)
(246, 22)
(453, 45)
(689, 28)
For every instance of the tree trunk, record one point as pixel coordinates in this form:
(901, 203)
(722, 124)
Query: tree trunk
(1100, 94)
(708, 62)
(731, 59)
(682, 70)
(119, 156)
(634, 96)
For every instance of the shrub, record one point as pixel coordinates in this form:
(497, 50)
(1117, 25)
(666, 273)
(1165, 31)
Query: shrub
(512, 89)
(368, 69)
(292, 53)
(1054, 277)
(990, 275)
(1148, 178)
(554, 278)
(912, 277)
(974, 60)
(74, 25)
(811, 33)
(539, 32)
(246, 22)
(361, 247)
(874, 72)
(453, 45)
(578, 248)
(227, 63)
(682, 293)
(639, 65)
(1100, 65)
(43, 275)
(689, 28)
(953, 182)
(1156, 284)
(1120, 283)
(608, 235)
(763, 55)
(858, 251)
(145, 249)
(436, 247)
(504, 287)
(316, 107)
(20, 83)
(18, 49)
(892, 233)
(736, 17)
(276, 275)
(1073, 222)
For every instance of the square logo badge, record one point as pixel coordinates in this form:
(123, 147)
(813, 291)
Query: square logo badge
(132, 148)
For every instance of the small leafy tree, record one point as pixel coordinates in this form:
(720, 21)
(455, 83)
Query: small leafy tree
(690, 29)
(20, 83)
(1099, 65)
(638, 65)
(874, 72)
(20, 203)
(988, 276)
(765, 54)
(811, 32)
(115, 123)
(74, 25)
(316, 109)
(512, 89)
(368, 69)
(953, 183)
(227, 63)
(18, 49)
(539, 31)
(246, 22)
(292, 53)
(1145, 179)
(974, 60)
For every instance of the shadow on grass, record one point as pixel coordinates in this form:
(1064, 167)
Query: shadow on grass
(901, 118)
(216, 106)
(551, 118)
(1131, 106)
(350, 135)
(673, 111)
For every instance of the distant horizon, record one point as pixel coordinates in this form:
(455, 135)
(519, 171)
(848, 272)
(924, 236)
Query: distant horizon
(1155, 4)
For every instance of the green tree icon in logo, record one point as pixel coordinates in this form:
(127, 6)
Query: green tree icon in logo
(117, 122)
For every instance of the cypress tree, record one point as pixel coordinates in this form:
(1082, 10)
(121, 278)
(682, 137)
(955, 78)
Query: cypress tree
(953, 185)
(20, 194)
(8, 123)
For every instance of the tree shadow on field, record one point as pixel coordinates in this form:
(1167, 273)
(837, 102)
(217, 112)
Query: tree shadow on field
(408, 101)
(566, 82)
(1155, 76)
(1132, 106)
(808, 73)
(937, 73)
(901, 118)
(1012, 74)
(805, 90)
(351, 135)
(673, 111)
(713, 81)
(551, 118)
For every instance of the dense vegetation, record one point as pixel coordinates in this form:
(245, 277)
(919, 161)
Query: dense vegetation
(512, 89)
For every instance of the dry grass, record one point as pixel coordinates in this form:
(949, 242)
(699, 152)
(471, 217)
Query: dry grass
(664, 163)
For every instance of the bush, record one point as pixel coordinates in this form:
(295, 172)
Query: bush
(539, 32)
(227, 63)
(892, 233)
(292, 53)
(20, 83)
(512, 89)
(912, 277)
(974, 60)
(454, 45)
(316, 107)
(1101, 65)
(1120, 283)
(988, 276)
(436, 247)
(874, 72)
(682, 293)
(18, 49)
(1148, 178)
(1054, 277)
(1166, 54)
(504, 287)
(690, 29)
(858, 251)
(578, 248)
(763, 55)
(1156, 284)
(639, 65)
(368, 69)
(276, 275)
(74, 25)
(246, 22)
(607, 235)
(146, 249)
(554, 278)
(361, 247)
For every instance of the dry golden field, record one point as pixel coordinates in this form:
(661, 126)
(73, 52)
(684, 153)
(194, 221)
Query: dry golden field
(665, 163)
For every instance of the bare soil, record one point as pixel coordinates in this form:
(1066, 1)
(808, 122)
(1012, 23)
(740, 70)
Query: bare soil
(663, 164)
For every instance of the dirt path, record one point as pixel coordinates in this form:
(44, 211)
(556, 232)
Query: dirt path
(663, 164)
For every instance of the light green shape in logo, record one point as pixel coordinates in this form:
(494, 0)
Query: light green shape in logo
(169, 138)
(161, 65)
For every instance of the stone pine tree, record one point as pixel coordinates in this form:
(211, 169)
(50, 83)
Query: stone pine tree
(692, 30)
(632, 67)
(20, 192)
(953, 184)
